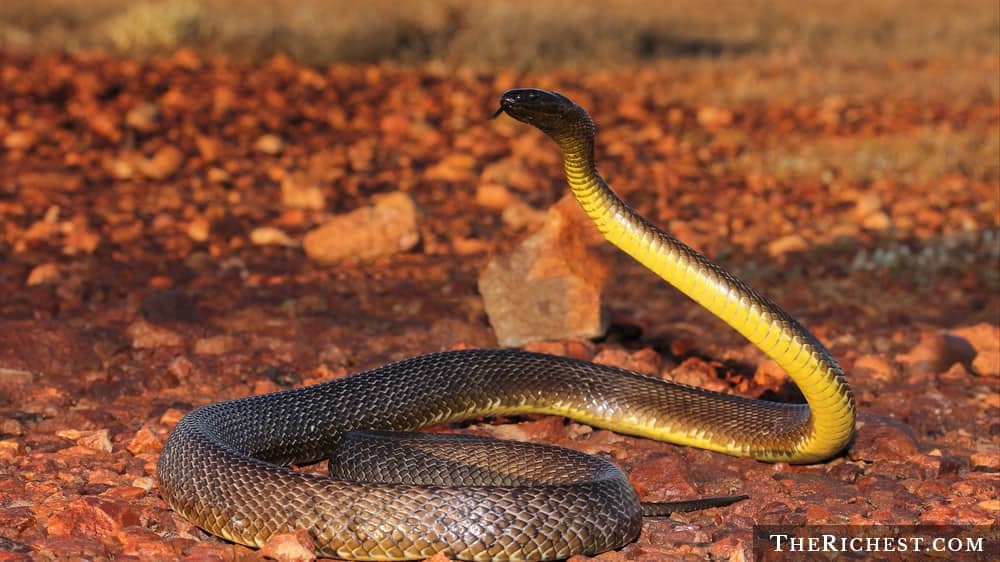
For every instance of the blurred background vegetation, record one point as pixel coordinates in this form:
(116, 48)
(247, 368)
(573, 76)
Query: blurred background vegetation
(516, 34)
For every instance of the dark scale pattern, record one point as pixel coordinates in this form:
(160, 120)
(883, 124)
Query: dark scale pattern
(462, 460)
(220, 465)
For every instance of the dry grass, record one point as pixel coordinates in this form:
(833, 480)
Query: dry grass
(522, 34)
(923, 157)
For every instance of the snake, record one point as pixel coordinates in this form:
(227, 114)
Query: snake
(226, 466)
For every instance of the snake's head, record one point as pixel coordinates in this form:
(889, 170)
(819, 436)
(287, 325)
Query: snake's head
(552, 112)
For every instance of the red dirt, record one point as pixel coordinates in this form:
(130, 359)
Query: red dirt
(131, 291)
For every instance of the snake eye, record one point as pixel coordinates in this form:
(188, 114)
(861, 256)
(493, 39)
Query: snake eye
(522, 96)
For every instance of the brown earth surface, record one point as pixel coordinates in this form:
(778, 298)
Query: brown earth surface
(151, 216)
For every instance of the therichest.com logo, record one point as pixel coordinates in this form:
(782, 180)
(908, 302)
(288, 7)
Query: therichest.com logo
(882, 542)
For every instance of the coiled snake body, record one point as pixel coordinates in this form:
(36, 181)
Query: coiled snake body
(222, 467)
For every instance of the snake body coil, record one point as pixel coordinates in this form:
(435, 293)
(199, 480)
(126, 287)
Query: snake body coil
(222, 467)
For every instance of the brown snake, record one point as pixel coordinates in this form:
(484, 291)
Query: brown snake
(223, 466)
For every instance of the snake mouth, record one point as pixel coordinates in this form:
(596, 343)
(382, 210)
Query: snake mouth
(508, 103)
(531, 105)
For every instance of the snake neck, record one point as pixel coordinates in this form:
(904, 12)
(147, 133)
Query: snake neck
(830, 423)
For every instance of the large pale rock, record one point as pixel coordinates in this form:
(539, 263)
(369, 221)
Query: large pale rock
(985, 340)
(549, 287)
(936, 352)
(387, 227)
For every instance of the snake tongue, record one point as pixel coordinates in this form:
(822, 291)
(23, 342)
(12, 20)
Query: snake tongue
(507, 100)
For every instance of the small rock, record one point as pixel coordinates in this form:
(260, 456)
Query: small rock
(43, 274)
(877, 221)
(987, 460)
(163, 164)
(171, 417)
(44, 229)
(865, 204)
(199, 229)
(19, 140)
(10, 426)
(936, 352)
(144, 544)
(992, 506)
(10, 449)
(186, 58)
(385, 228)
(468, 246)
(663, 477)
(119, 168)
(452, 168)
(208, 147)
(144, 483)
(577, 348)
(875, 367)
(712, 117)
(16, 519)
(845, 472)
(786, 244)
(695, 371)
(361, 154)
(218, 175)
(955, 515)
(78, 237)
(271, 236)
(612, 356)
(145, 441)
(645, 361)
(92, 516)
(549, 287)
(146, 336)
(494, 196)
(985, 340)
(182, 368)
(394, 124)
(142, 117)
(932, 466)
(882, 439)
(98, 440)
(296, 546)
(769, 374)
(269, 144)
(981, 486)
(105, 124)
(730, 548)
(299, 192)
(103, 476)
(216, 345)
(542, 430)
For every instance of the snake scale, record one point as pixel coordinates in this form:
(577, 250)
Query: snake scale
(224, 467)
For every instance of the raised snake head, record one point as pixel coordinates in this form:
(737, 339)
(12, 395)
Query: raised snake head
(553, 113)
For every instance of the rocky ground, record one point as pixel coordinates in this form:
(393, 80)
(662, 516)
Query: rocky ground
(169, 234)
